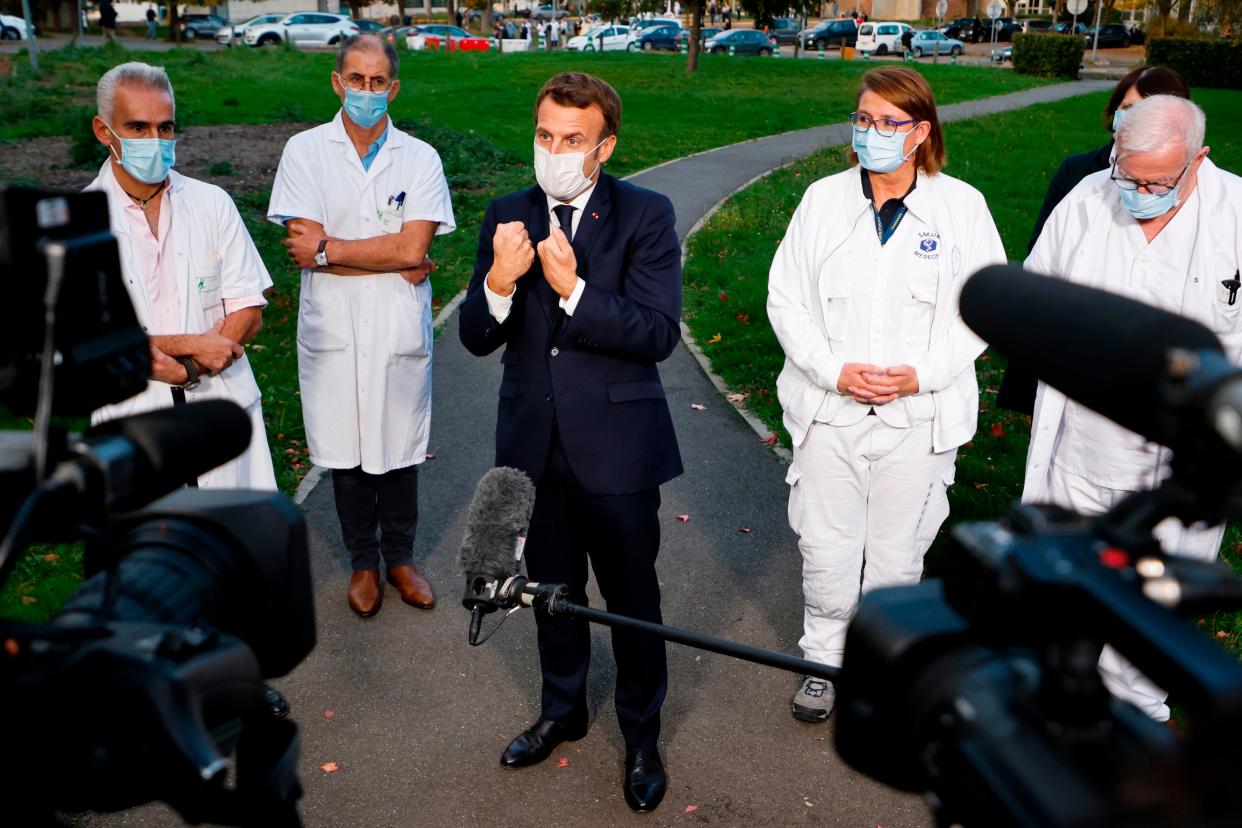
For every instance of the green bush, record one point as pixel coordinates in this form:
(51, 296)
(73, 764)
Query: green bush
(1048, 55)
(1201, 62)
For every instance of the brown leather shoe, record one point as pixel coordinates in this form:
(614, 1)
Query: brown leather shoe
(414, 588)
(366, 593)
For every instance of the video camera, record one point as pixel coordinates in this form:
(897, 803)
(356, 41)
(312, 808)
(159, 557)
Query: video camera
(149, 684)
(982, 692)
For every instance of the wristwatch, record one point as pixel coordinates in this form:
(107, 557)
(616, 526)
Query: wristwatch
(191, 373)
(321, 255)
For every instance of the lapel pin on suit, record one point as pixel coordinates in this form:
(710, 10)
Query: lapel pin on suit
(595, 216)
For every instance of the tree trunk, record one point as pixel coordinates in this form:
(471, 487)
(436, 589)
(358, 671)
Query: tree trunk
(696, 26)
(1183, 10)
(174, 22)
(450, 11)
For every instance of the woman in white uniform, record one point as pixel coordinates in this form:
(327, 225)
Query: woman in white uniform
(878, 388)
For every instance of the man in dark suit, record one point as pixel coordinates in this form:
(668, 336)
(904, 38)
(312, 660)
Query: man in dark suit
(579, 279)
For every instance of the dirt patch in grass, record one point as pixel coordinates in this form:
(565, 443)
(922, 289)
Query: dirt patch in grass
(240, 158)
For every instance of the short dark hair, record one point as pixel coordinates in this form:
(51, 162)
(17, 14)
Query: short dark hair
(1150, 80)
(580, 90)
(361, 42)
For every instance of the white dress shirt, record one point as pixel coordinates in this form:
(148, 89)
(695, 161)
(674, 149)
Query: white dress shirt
(499, 306)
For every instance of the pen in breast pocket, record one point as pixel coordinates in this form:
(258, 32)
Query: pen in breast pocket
(400, 199)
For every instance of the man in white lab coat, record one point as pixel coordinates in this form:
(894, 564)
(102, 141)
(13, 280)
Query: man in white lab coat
(362, 201)
(190, 267)
(1163, 225)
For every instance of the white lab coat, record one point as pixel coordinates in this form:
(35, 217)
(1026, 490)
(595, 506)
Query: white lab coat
(1070, 247)
(812, 273)
(364, 342)
(216, 260)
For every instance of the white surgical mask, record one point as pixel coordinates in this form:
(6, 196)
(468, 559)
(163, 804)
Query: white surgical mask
(560, 175)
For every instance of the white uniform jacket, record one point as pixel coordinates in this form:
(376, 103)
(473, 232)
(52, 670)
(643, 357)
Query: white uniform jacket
(364, 342)
(215, 260)
(810, 280)
(1069, 247)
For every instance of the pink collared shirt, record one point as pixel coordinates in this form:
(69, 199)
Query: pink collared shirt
(156, 263)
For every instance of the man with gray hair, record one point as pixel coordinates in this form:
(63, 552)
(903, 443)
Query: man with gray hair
(190, 267)
(361, 201)
(1163, 226)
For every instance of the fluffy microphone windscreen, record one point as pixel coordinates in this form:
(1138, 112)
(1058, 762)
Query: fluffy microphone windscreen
(499, 514)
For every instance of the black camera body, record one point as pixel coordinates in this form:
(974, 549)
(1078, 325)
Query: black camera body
(149, 684)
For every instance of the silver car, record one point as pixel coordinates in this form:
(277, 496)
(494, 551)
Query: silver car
(303, 29)
(228, 35)
(932, 42)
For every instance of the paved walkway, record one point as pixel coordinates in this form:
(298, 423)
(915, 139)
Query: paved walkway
(419, 718)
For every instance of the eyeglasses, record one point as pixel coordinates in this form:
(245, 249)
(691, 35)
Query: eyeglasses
(361, 83)
(1155, 189)
(884, 126)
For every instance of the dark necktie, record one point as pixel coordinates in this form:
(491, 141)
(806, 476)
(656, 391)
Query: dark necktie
(565, 215)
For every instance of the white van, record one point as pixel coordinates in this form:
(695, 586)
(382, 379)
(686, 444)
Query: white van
(882, 38)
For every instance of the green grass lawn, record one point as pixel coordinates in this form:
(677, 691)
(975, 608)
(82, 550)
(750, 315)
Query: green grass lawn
(1010, 158)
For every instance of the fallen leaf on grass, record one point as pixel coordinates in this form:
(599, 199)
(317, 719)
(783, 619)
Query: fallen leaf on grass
(744, 318)
(745, 530)
(770, 440)
(981, 485)
(998, 430)
(562, 762)
(1219, 633)
(724, 297)
(684, 518)
(698, 407)
(30, 599)
(736, 398)
(328, 714)
(690, 809)
(328, 767)
(430, 456)
(51, 557)
(714, 339)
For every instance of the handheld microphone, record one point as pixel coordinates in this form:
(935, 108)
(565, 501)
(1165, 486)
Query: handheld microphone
(496, 525)
(1110, 353)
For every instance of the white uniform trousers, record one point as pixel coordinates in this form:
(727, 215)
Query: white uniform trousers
(866, 501)
(1122, 678)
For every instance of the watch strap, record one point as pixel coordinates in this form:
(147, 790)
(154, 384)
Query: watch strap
(321, 255)
(191, 372)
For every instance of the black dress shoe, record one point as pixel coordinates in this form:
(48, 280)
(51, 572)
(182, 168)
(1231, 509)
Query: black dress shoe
(537, 742)
(645, 779)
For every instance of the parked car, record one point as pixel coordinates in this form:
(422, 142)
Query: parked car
(1064, 28)
(1137, 36)
(932, 42)
(396, 34)
(639, 25)
(229, 35)
(1112, 36)
(1006, 28)
(194, 26)
(369, 26)
(965, 29)
(14, 28)
(830, 33)
(1002, 55)
(661, 37)
(783, 30)
(1036, 26)
(881, 38)
(706, 33)
(601, 38)
(743, 41)
(303, 29)
(455, 37)
(548, 12)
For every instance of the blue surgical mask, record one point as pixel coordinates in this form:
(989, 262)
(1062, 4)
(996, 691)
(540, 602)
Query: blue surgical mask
(146, 159)
(881, 153)
(365, 108)
(1118, 117)
(1147, 205)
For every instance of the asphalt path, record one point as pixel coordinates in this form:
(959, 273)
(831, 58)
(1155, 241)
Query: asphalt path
(410, 721)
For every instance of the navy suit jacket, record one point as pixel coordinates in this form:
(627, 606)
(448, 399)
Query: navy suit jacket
(594, 373)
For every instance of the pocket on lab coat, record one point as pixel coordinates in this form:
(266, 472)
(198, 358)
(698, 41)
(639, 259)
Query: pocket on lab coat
(410, 323)
(920, 306)
(207, 282)
(317, 328)
(835, 291)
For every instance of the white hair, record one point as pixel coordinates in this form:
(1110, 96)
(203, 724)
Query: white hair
(136, 73)
(1155, 122)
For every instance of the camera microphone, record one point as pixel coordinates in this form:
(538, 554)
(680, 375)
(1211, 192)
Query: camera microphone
(1110, 353)
(135, 460)
(496, 526)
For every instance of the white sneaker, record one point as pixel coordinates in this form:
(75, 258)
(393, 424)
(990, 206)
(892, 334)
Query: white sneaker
(813, 700)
